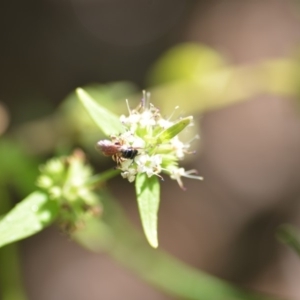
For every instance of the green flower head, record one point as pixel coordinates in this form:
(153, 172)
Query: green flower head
(66, 180)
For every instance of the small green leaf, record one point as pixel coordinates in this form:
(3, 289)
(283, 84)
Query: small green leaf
(108, 122)
(147, 191)
(172, 131)
(27, 218)
(290, 236)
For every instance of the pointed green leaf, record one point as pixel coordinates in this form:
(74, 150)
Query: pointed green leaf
(27, 218)
(147, 191)
(173, 130)
(108, 122)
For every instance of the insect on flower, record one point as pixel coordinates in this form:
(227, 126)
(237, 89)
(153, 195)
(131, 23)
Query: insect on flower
(117, 150)
(149, 144)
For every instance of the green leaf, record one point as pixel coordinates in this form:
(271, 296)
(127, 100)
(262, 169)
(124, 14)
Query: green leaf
(27, 218)
(290, 236)
(147, 191)
(17, 167)
(108, 122)
(185, 61)
(172, 131)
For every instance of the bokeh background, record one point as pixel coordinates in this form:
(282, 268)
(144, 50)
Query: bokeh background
(248, 152)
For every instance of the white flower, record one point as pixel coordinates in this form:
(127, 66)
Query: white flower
(163, 123)
(138, 143)
(151, 165)
(177, 173)
(179, 147)
(129, 174)
(149, 144)
(147, 119)
(131, 119)
(125, 165)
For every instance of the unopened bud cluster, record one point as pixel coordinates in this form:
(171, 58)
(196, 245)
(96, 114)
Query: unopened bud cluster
(65, 180)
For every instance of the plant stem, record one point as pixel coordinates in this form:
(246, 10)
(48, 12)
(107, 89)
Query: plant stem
(118, 237)
(102, 177)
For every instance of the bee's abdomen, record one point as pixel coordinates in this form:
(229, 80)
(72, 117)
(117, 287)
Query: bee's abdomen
(129, 153)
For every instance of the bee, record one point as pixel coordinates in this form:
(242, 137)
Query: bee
(117, 151)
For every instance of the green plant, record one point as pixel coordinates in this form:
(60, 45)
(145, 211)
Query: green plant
(145, 147)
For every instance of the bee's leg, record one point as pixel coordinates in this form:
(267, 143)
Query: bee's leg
(119, 160)
(116, 158)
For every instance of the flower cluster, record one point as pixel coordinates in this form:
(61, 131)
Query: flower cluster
(66, 180)
(149, 144)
